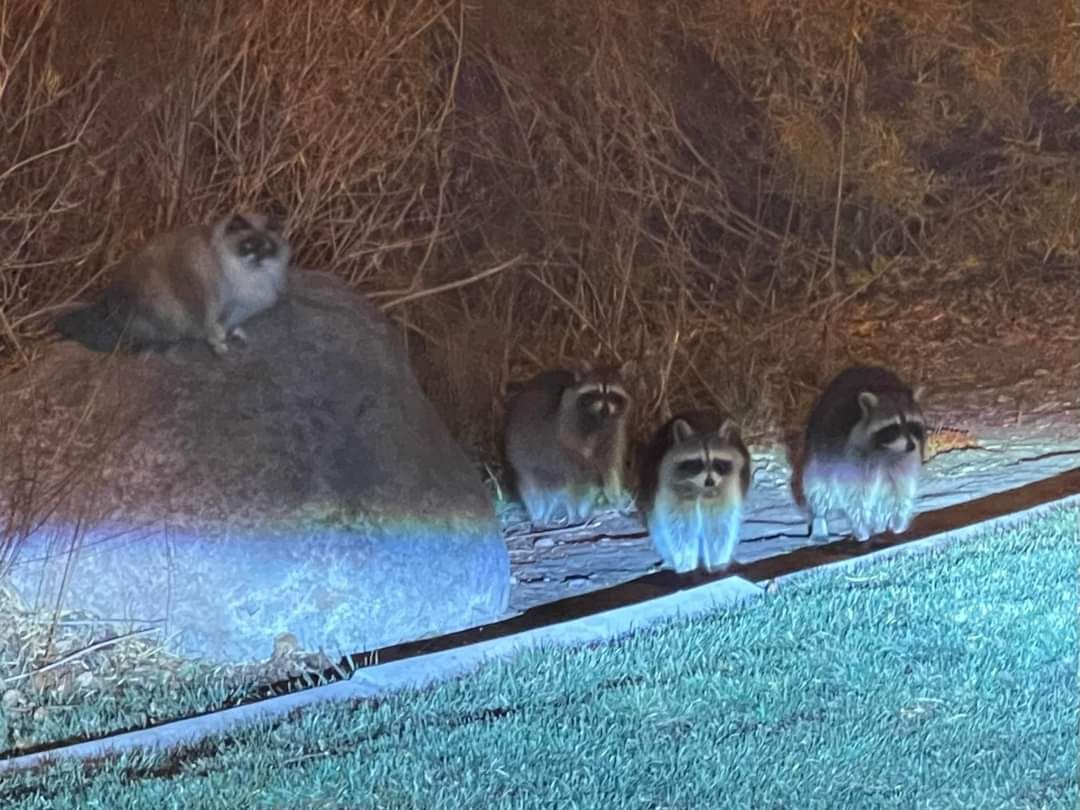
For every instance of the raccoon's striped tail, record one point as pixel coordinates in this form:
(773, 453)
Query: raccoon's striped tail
(95, 326)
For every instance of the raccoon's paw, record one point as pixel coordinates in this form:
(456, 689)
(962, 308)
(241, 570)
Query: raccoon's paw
(219, 348)
(547, 519)
(678, 559)
(861, 532)
(900, 523)
(678, 554)
(238, 333)
(819, 530)
(713, 560)
(583, 506)
(538, 503)
(684, 559)
(582, 515)
(622, 502)
(560, 520)
(716, 568)
(667, 548)
(558, 515)
(718, 546)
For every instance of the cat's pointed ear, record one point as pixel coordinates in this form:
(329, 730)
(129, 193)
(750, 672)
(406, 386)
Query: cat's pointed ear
(237, 223)
(867, 402)
(681, 431)
(277, 216)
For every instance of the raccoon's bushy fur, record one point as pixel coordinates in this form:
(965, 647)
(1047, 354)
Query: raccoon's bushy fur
(197, 283)
(695, 515)
(566, 441)
(864, 449)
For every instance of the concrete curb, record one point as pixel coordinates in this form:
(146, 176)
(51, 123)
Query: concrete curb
(420, 671)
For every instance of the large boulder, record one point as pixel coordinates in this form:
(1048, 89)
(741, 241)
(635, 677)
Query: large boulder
(300, 484)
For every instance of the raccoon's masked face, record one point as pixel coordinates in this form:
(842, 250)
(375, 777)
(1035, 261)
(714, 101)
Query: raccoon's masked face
(256, 239)
(702, 466)
(888, 428)
(600, 397)
(602, 401)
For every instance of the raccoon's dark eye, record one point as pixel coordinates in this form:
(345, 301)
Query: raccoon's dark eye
(690, 467)
(917, 431)
(618, 401)
(588, 402)
(887, 435)
(721, 466)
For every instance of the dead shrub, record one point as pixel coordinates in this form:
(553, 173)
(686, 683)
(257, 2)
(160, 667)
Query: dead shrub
(699, 184)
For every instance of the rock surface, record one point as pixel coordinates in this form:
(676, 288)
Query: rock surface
(300, 484)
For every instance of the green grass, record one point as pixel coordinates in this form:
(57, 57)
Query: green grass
(938, 681)
(133, 685)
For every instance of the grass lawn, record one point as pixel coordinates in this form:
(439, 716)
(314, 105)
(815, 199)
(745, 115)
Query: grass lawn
(940, 681)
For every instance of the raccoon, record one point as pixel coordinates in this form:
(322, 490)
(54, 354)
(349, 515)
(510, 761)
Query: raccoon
(566, 440)
(197, 283)
(864, 450)
(695, 473)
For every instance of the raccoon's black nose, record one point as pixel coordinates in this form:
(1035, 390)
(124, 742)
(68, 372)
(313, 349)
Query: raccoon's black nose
(910, 444)
(710, 481)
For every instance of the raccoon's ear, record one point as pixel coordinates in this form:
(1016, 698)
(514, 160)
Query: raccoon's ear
(681, 431)
(581, 369)
(727, 427)
(917, 393)
(628, 368)
(237, 223)
(867, 402)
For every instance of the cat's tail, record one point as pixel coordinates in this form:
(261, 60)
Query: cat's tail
(100, 326)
